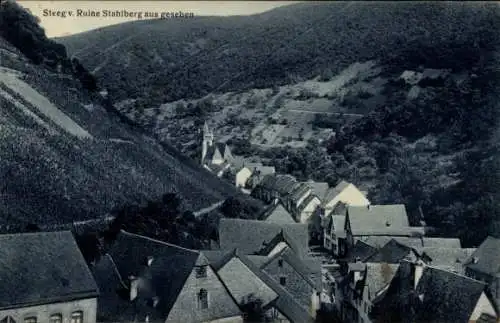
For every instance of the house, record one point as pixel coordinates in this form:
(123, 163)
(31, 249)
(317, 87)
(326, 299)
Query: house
(318, 188)
(248, 176)
(300, 277)
(250, 237)
(333, 226)
(420, 293)
(375, 220)
(361, 287)
(44, 278)
(344, 192)
(146, 280)
(307, 208)
(248, 283)
(273, 187)
(296, 196)
(215, 156)
(277, 214)
(484, 265)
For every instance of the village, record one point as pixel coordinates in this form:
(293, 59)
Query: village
(317, 254)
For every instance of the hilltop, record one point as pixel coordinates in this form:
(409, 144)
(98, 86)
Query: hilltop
(65, 153)
(190, 58)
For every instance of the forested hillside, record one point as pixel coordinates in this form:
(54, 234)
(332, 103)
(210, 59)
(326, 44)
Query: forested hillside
(65, 154)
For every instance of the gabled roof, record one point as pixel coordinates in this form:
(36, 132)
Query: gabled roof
(361, 251)
(278, 214)
(113, 304)
(486, 259)
(441, 242)
(318, 188)
(378, 276)
(306, 203)
(283, 184)
(447, 297)
(392, 253)
(166, 275)
(280, 237)
(299, 191)
(334, 191)
(249, 236)
(336, 224)
(377, 218)
(285, 302)
(450, 259)
(43, 267)
(304, 269)
(440, 296)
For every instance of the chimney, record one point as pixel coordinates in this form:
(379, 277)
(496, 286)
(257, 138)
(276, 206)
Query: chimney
(419, 270)
(134, 284)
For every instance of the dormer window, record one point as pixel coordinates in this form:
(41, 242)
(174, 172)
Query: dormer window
(282, 280)
(203, 299)
(201, 271)
(280, 263)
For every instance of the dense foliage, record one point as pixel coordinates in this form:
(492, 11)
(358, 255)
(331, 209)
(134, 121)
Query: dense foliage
(190, 58)
(20, 28)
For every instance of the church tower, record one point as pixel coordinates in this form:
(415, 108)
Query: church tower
(208, 141)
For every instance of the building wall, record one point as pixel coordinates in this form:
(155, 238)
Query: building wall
(483, 306)
(242, 176)
(219, 300)
(302, 198)
(43, 312)
(295, 284)
(350, 195)
(309, 210)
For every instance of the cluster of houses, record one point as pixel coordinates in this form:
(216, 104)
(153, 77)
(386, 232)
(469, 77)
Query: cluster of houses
(316, 251)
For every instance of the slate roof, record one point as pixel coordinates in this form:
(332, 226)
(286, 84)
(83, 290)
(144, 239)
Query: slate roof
(337, 222)
(217, 150)
(285, 302)
(441, 242)
(280, 237)
(282, 184)
(249, 236)
(299, 191)
(383, 218)
(487, 257)
(318, 188)
(392, 253)
(164, 280)
(41, 268)
(440, 296)
(378, 276)
(278, 214)
(334, 191)
(306, 203)
(113, 304)
(447, 297)
(361, 251)
(304, 269)
(451, 259)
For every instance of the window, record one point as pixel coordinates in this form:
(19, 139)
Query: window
(201, 271)
(280, 262)
(203, 299)
(56, 318)
(31, 319)
(77, 317)
(282, 280)
(8, 319)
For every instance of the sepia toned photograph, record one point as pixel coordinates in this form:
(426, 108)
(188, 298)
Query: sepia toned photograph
(249, 161)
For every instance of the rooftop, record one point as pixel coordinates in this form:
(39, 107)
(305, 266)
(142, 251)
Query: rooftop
(42, 267)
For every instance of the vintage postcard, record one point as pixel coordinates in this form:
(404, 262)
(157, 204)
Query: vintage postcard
(249, 161)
